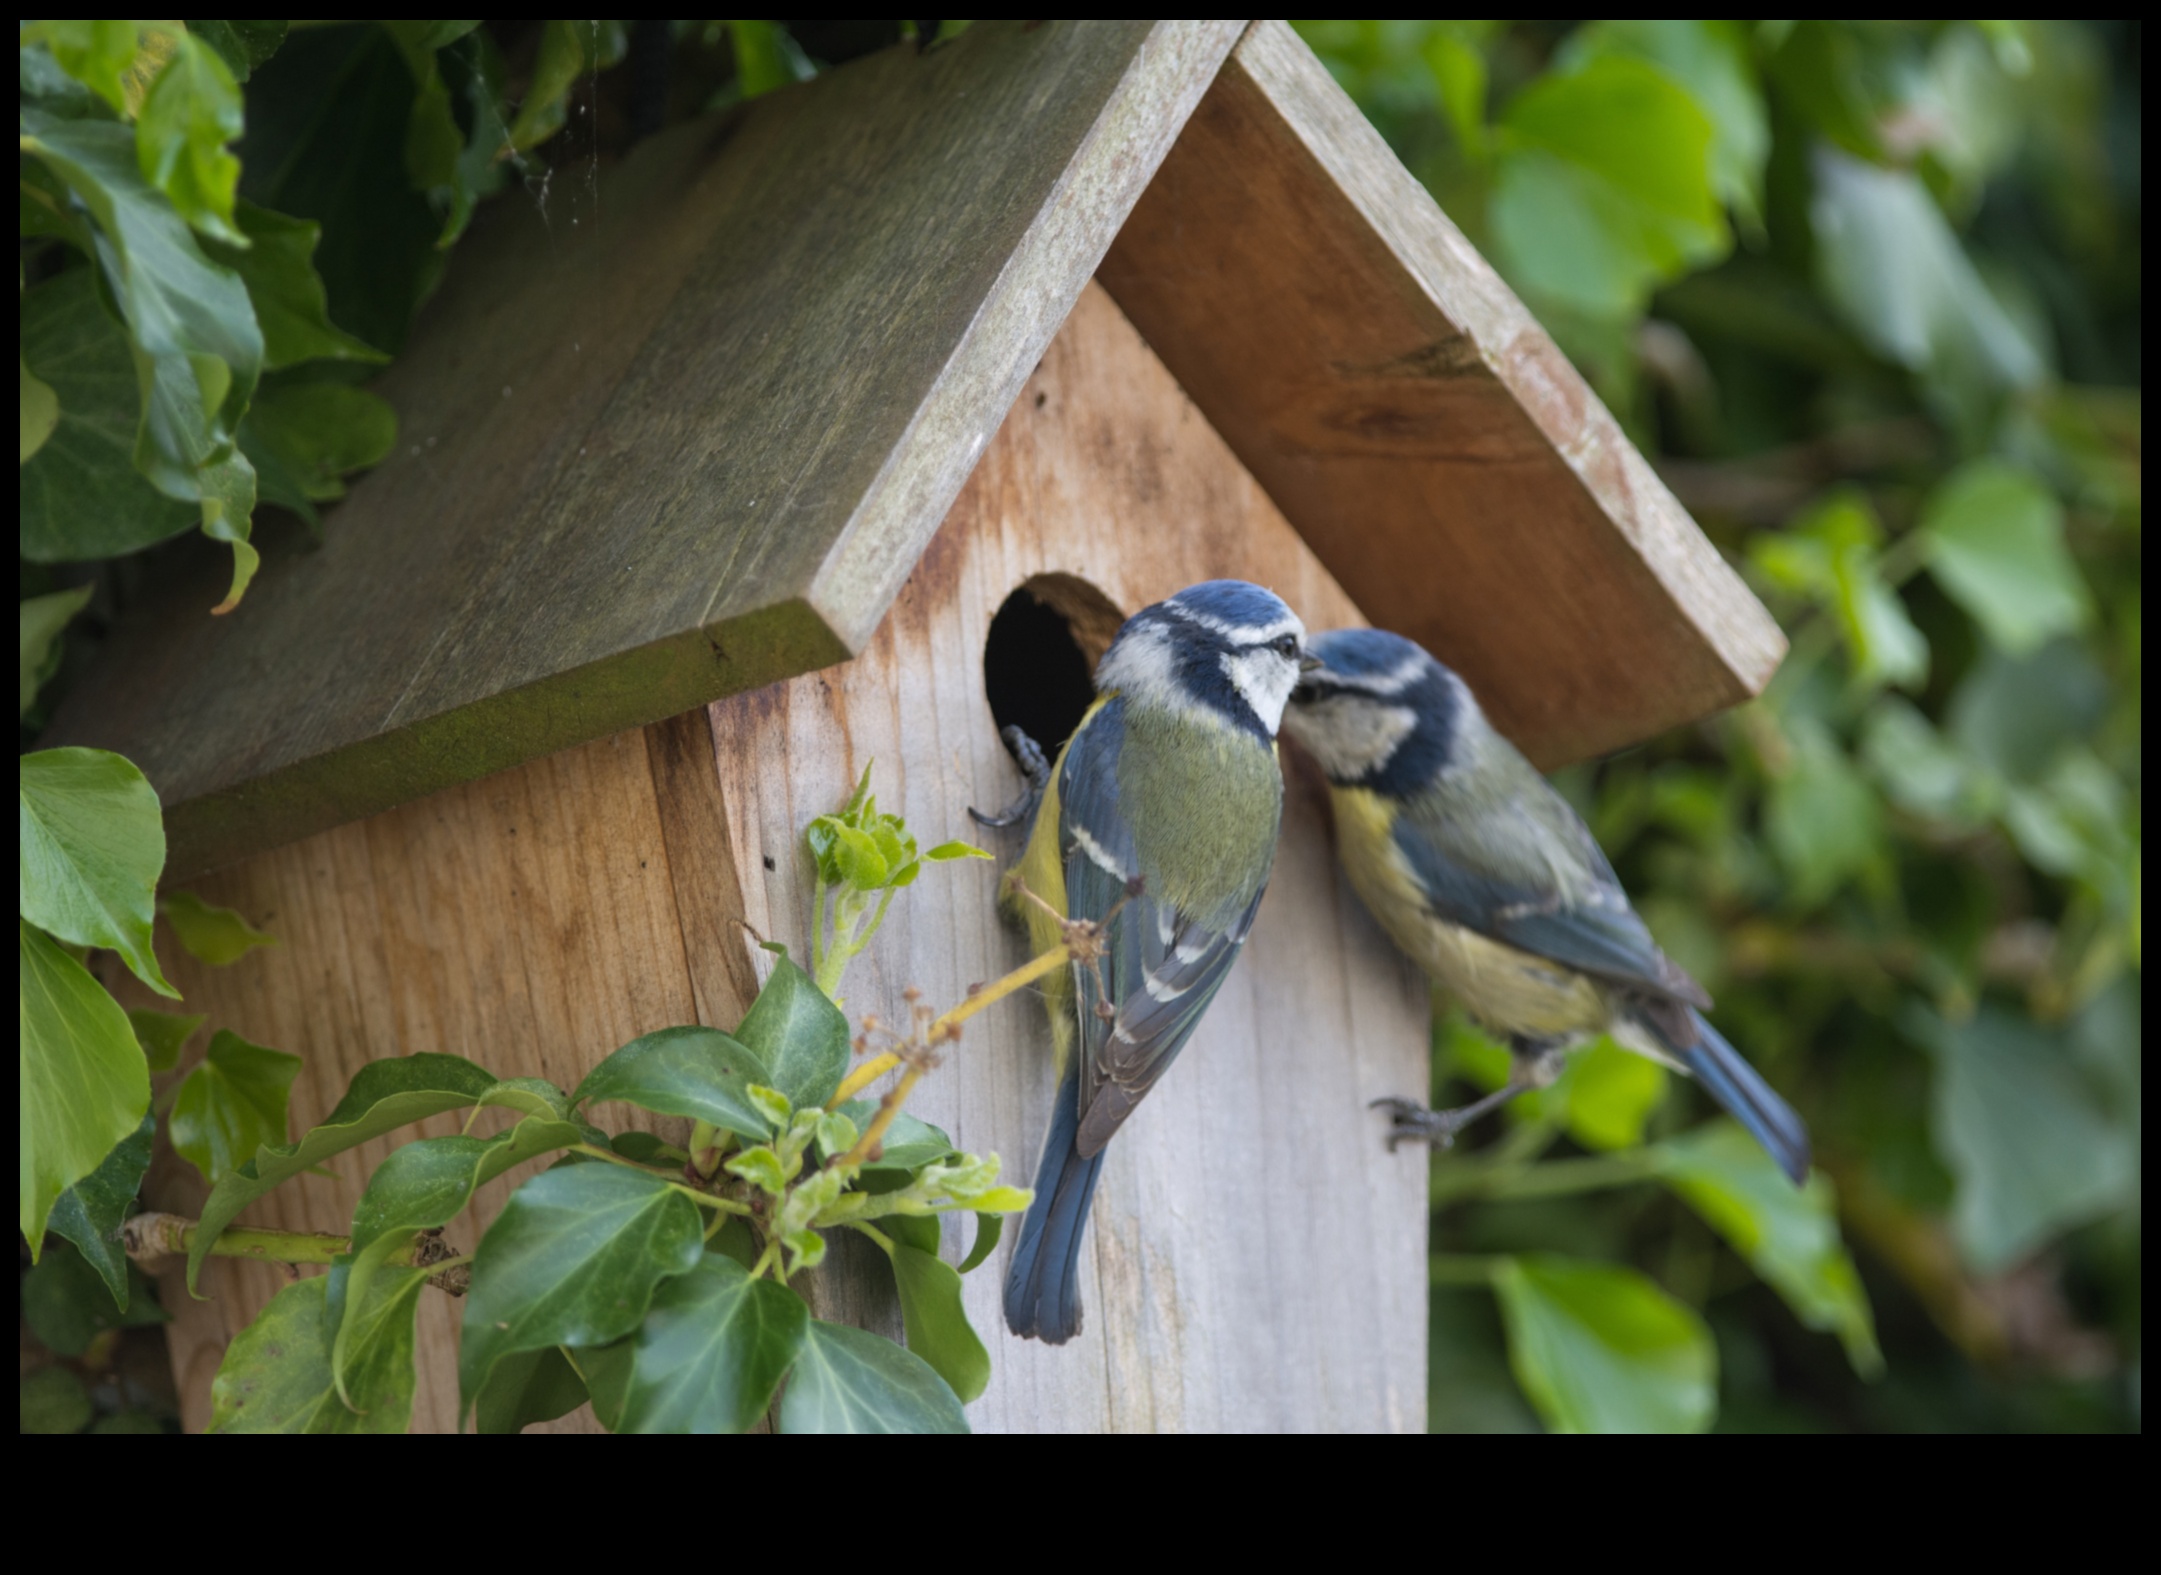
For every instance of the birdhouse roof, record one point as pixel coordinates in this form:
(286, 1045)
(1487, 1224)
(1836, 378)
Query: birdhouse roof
(696, 441)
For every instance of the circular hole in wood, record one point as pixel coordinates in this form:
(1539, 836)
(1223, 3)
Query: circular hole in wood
(1039, 662)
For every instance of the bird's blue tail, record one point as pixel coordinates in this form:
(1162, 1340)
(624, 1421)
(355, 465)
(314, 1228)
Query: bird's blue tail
(1745, 1096)
(1042, 1288)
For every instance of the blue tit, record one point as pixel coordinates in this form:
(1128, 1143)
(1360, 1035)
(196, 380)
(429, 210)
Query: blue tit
(1158, 822)
(1493, 885)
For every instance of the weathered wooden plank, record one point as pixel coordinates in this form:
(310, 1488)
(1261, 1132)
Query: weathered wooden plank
(1416, 424)
(525, 921)
(690, 440)
(1258, 1259)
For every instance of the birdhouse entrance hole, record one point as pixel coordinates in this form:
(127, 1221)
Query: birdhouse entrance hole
(1039, 662)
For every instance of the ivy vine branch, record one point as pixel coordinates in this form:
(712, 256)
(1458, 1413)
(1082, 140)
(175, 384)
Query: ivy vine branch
(151, 1238)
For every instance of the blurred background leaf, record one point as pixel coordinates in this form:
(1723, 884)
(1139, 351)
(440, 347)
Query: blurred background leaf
(1869, 295)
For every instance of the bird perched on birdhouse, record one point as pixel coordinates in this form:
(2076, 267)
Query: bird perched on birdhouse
(1496, 887)
(1159, 823)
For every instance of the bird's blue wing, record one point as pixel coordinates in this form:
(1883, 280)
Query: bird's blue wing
(1530, 875)
(1162, 966)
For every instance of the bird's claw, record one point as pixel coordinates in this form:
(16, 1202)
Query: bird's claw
(1411, 1122)
(1035, 766)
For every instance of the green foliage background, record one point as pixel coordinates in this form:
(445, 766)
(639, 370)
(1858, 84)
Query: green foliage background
(1867, 293)
(1869, 296)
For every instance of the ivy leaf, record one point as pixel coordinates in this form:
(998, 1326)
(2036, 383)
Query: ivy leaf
(759, 1166)
(193, 328)
(1601, 1349)
(1919, 768)
(766, 57)
(1823, 818)
(241, 45)
(80, 495)
(197, 348)
(232, 1104)
(419, 1187)
(191, 113)
(1891, 264)
(455, 169)
(428, 1183)
(709, 1355)
(856, 852)
(799, 1034)
(531, 1096)
(910, 1142)
(1788, 1235)
(697, 1072)
(326, 142)
(1996, 545)
(568, 50)
(40, 621)
(533, 1386)
(2021, 715)
(52, 1400)
(1711, 60)
(573, 1259)
(276, 1374)
(937, 1323)
(382, 1096)
(278, 268)
(988, 1228)
(98, 54)
(954, 850)
(81, 1083)
(1604, 190)
(852, 1381)
(91, 1212)
(318, 432)
(1609, 1094)
(38, 408)
(2032, 1148)
(161, 1034)
(209, 933)
(67, 1303)
(90, 846)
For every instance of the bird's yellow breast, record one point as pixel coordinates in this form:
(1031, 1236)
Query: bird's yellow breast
(1508, 990)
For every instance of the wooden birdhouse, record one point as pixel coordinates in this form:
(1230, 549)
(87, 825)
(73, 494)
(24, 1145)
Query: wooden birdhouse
(847, 427)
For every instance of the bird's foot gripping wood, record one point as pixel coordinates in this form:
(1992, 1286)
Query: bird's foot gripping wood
(1537, 1062)
(1411, 1122)
(1035, 766)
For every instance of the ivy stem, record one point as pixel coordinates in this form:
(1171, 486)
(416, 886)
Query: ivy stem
(153, 1236)
(594, 1151)
(875, 1234)
(946, 1027)
(817, 937)
(709, 1200)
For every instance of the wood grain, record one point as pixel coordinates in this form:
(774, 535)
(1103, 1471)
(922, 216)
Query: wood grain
(1423, 433)
(662, 442)
(526, 921)
(1258, 1258)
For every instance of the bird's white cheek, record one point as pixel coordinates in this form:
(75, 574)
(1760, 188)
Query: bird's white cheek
(1350, 735)
(1265, 681)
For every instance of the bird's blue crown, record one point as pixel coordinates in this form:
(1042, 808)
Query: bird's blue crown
(1242, 613)
(1384, 669)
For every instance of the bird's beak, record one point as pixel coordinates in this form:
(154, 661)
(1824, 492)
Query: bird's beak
(1310, 664)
